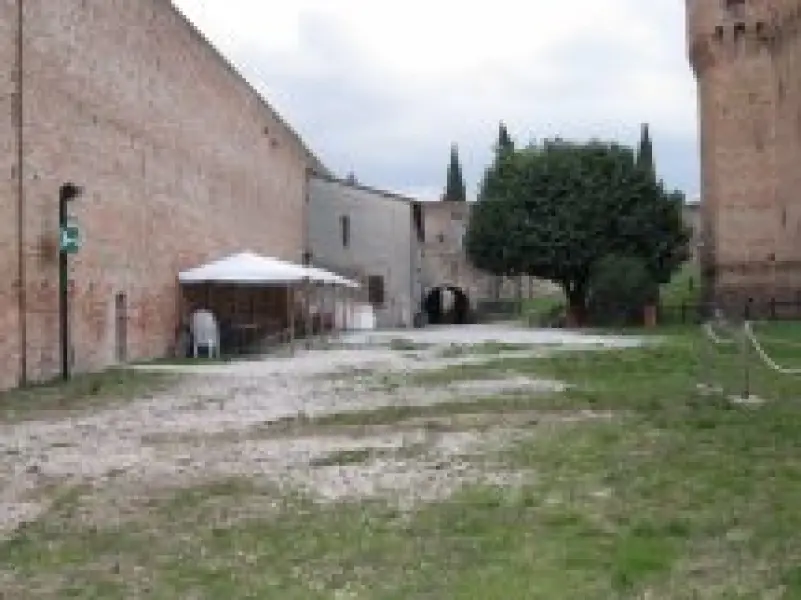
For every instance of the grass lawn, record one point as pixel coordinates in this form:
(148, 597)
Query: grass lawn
(679, 496)
(536, 311)
(81, 392)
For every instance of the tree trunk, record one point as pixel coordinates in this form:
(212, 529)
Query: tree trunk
(576, 305)
(650, 315)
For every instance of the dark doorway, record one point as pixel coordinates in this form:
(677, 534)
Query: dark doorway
(121, 327)
(447, 305)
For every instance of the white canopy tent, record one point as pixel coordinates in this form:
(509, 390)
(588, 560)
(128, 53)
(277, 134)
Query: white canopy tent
(251, 270)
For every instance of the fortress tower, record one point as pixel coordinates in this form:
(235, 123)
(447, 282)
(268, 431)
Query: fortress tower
(746, 57)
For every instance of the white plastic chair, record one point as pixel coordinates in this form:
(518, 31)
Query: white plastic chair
(205, 332)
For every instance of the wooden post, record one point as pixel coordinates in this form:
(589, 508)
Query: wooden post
(290, 311)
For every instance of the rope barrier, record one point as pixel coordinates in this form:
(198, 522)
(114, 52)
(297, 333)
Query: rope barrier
(768, 339)
(769, 362)
(710, 332)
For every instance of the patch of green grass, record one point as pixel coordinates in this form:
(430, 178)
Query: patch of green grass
(682, 496)
(81, 392)
(781, 340)
(398, 413)
(485, 348)
(538, 312)
(343, 458)
(489, 369)
(683, 288)
(404, 345)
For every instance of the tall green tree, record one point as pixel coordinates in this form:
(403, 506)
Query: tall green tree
(455, 189)
(645, 151)
(554, 210)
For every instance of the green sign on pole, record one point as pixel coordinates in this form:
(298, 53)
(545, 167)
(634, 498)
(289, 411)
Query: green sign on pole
(70, 241)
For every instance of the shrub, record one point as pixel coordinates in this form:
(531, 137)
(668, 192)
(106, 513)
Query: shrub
(620, 288)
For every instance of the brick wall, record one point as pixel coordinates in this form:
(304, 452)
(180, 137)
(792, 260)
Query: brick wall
(746, 63)
(9, 315)
(180, 160)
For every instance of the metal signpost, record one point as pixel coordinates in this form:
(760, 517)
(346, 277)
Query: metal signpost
(69, 243)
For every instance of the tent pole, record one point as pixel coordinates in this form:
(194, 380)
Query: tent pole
(325, 303)
(337, 306)
(290, 313)
(348, 308)
(307, 316)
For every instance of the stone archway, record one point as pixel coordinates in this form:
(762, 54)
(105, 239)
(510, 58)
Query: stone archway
(447, 305)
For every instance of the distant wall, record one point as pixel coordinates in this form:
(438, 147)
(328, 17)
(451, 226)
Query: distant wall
(445, 261)
(381, 243)
(692, 218)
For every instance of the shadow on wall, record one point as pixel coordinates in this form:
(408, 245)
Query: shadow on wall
(447, 305)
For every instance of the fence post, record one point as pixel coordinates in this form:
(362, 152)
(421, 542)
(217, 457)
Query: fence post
(746, 373)
(706, 359)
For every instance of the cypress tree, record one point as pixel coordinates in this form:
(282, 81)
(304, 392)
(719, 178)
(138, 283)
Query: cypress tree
(455, 190)
(645, 151)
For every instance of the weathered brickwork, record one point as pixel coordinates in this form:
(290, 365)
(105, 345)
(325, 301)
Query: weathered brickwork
(180, 160)
(745, 55)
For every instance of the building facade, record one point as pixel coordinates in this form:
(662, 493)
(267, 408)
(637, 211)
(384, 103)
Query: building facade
(374, 237)
(744, 54)
(180, 162)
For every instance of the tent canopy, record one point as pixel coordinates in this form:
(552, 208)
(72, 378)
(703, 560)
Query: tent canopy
(254, 269)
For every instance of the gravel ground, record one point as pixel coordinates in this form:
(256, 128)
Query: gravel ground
(205, 426)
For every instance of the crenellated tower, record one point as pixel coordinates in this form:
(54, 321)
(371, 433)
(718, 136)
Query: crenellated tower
(745, 54)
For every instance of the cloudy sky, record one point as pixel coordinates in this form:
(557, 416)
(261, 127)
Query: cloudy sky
(383, 88)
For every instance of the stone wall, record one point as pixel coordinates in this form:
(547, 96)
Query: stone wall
(445, 262)
(180, 160)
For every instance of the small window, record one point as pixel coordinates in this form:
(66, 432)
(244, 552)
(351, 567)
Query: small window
(441, 238)
(719, 32)
(344, 229)
(736, 8)
(739, 30)
(375, 290)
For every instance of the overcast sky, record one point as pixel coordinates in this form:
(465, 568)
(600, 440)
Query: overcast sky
(384, 88)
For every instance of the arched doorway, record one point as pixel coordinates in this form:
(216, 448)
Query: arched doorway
(447, 305)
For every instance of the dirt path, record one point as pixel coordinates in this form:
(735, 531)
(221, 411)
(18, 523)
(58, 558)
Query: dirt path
(228, 419)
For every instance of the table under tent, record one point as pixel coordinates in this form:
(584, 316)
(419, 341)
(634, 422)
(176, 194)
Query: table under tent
(261, 302)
